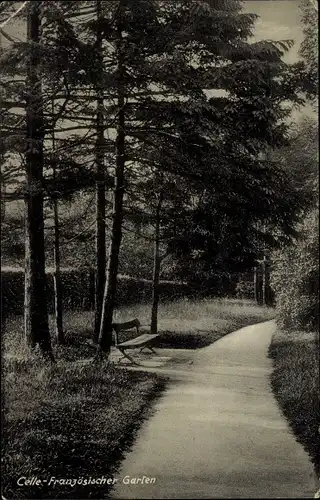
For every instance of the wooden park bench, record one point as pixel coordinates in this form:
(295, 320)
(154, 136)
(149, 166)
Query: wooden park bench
(143, 341)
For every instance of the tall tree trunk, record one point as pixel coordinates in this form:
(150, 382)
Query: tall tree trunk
(105, 335)
(3, 203)
(156, 269)
(264, 282)
(256, 284)
(56, 260)
(57, 277)
(3, 185)
(36, 313)
(100, 187)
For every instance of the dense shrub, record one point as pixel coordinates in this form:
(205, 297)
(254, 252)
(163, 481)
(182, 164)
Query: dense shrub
(295, 278)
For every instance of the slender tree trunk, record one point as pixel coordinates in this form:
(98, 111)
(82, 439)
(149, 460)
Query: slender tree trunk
(100, 188)
(3, 185)
(105, 335)
(266, 290)
(92, 275)
(3, 203)
(56, 261)
(258, 283)
(264, 282)
(264, 274)
(57, 277)
(36, 313)
(255, 285)
(156, 269)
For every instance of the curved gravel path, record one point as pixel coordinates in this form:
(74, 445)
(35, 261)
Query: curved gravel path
(217, 431)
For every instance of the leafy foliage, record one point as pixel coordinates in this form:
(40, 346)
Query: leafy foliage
(295, 278)
(309, 47)
(299, 160)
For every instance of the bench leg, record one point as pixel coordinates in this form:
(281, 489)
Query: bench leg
(125, 355)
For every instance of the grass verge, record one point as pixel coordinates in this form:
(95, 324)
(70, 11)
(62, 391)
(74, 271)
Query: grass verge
(295, 382)
(69, 422)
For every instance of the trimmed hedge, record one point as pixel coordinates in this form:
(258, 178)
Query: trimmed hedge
(78, 290)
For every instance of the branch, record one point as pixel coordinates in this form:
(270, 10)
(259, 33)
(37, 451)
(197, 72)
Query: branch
(68, 129)
(74, 118)
(2, 25)
(77, 235)
(164, 256)
(64, 105)
(8, 37)
(82, 232)
(70, 145)
(141, 235)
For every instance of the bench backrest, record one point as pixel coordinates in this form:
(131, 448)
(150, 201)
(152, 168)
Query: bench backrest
(117, 327)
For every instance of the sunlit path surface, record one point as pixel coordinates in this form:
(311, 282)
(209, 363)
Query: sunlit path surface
(217, 431)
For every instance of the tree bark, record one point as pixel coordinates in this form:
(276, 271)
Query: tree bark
(35, 313)
(3, 203)
(264, 282)
(3, 184)
(105, 334)
(57, 277)
(255, 285)
(56, 260)
(258, 283)
(100, 187)
(156, 269)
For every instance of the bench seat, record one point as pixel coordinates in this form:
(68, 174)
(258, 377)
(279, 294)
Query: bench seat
(137, 342)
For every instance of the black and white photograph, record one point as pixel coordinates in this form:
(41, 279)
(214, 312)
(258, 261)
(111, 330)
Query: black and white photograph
(159, 249)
